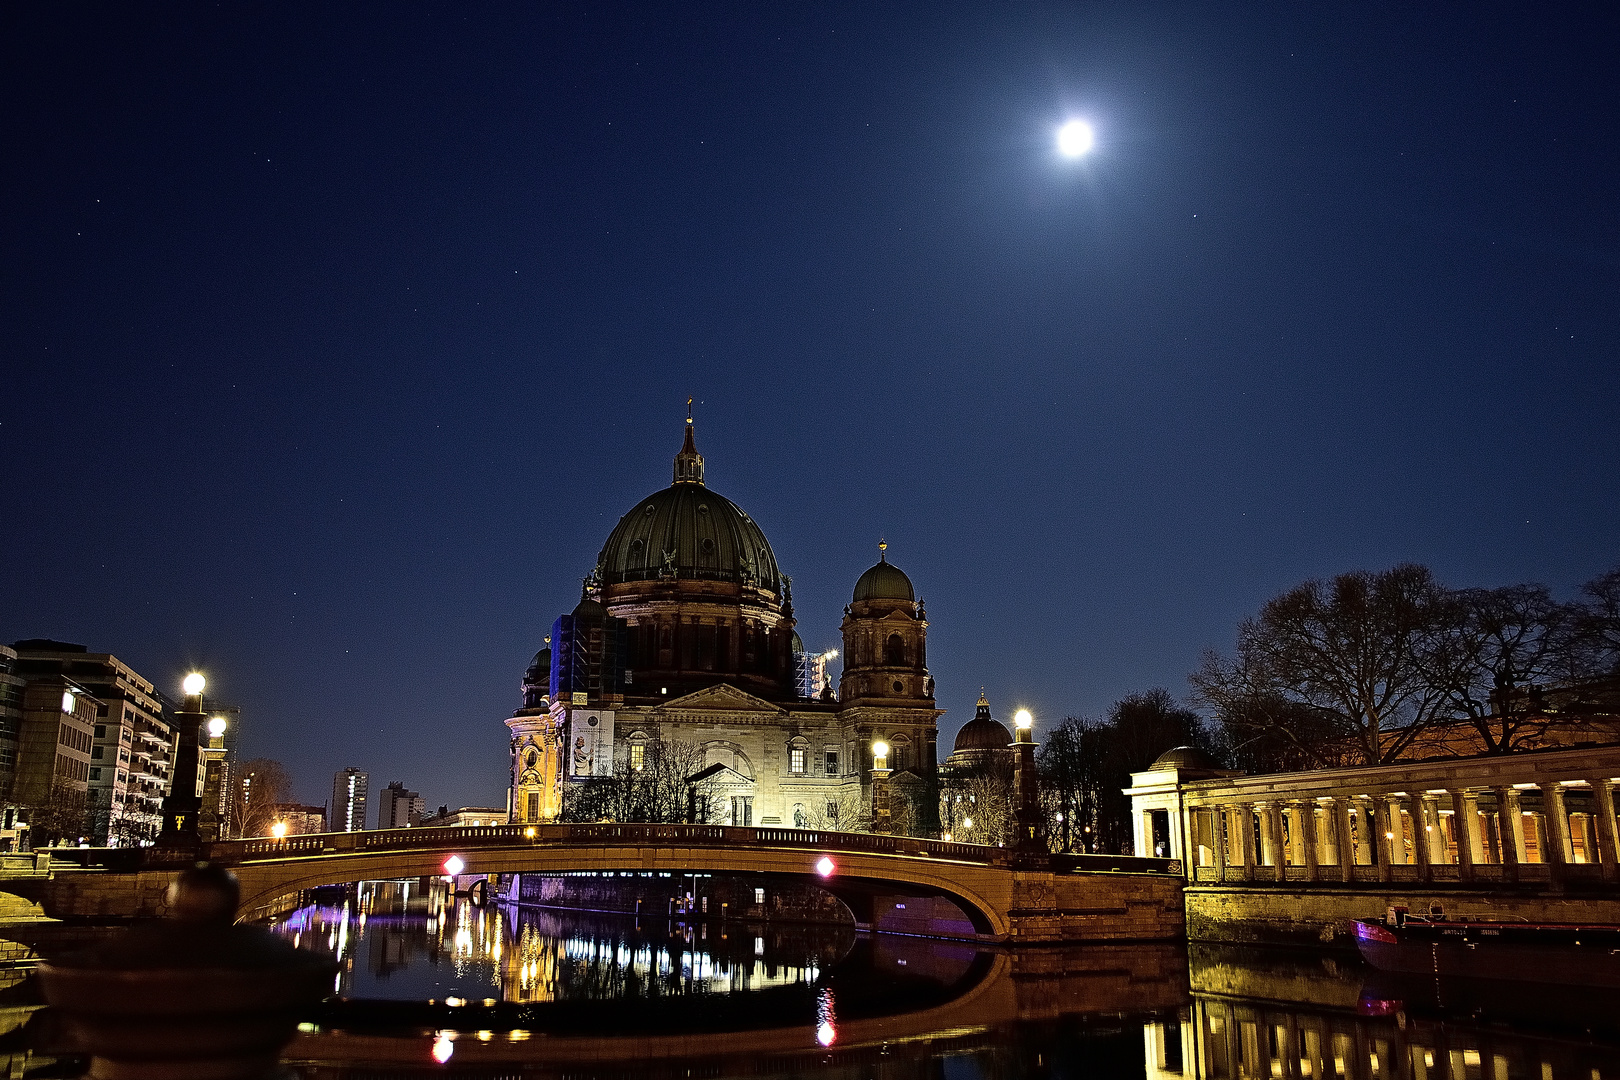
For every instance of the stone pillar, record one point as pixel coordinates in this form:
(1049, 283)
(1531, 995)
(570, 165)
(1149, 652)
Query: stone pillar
(1217, 840)
(1558, 853)
(1424, 838)
(1383, 835)
(1398, 826)
(1345, 837)
(1267, 855)
(1510, 828)
(1465, 819)
(1242, 821)
(1366, 831)
(1607, 829)
(1305, 819)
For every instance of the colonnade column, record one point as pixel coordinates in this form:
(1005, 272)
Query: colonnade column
(1243, 836)
(1555, 818)
(1423, 838)
(1366, 830)
(1607, 829)
(1510, 831)
(1306, 823)
(1465, 819)
(1346, 838)
(1279, 849)
(1217, 840)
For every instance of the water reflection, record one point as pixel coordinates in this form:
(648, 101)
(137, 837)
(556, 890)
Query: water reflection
(561, 993)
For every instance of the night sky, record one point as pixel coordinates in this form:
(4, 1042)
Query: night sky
(335, 338)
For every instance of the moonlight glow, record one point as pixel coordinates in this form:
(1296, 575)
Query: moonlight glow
(1074, 139)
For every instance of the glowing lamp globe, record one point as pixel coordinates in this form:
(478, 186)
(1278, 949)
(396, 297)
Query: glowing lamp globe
(454, 865)
(216, 727)
(278, 830)
(880, 749)
(1075, 139)
(1022, 720)
(193, 684)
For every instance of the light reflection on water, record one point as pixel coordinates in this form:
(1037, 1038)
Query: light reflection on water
(599, 995)
(393, 941)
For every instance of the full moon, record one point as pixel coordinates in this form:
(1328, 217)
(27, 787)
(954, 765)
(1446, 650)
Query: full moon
(1074, 138)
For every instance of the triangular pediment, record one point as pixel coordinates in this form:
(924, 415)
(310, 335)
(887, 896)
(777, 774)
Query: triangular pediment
(720, 775)
(720, 698)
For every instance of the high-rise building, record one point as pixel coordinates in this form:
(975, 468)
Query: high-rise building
(398, 808)
(348, 806)
(53, 759)
(132, 750)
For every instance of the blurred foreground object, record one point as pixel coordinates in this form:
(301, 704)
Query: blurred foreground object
(193, 995)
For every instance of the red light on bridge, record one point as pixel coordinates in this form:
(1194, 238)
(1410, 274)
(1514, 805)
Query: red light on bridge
(453, 865)
(443, 1047)
(826, 867)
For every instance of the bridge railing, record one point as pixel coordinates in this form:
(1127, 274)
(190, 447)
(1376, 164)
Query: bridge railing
(473, 837)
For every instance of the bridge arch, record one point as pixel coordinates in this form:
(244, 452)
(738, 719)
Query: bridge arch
(981, 890)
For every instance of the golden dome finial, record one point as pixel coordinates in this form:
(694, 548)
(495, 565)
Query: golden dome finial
(982, 699)
(883, 550)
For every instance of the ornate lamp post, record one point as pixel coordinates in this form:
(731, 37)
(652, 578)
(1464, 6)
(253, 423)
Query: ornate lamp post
(181, 806)
(1026, 788)
(881, 822)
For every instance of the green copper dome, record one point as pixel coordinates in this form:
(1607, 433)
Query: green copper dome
(885, 581)
(686, 531)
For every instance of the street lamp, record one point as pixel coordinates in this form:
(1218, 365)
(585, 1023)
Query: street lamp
(1027, 797)
(216, 727)
(881, 822)
(182, 805)
(279, 830)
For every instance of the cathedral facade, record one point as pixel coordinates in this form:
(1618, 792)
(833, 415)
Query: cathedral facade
(683, 650)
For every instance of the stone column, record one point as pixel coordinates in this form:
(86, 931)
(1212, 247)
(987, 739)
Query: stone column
(1267, 855)
(1345, 837)
(1217, 840)
(1306, 821)
(1384, 824)
(1607, 829)
(1394, 831)
(1465, 818)
(1510, 827)
(1556, 819)
(1366, 830)
(1242, 821)
(1424, 838)
(1279, 847)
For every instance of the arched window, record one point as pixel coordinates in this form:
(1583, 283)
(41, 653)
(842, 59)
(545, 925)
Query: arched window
(899, 753)
(798, 756)
(895, 654)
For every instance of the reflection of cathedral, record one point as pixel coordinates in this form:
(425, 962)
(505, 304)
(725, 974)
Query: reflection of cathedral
(683, 648)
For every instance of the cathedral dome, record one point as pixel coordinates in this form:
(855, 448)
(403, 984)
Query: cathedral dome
(983, 732)
(885, 581)
(688, 531)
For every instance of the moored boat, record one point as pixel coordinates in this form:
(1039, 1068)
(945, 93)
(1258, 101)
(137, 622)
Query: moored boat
(1463, 947)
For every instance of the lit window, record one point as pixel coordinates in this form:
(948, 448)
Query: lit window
(796, 760)
(759, 896)
(638, 756)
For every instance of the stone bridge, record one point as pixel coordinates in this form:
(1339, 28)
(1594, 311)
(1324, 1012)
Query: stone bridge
(1004, 896)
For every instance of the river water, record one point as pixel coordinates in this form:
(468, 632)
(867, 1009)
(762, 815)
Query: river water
(431, 984)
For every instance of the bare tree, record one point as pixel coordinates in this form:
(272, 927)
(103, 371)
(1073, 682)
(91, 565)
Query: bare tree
(1486, 644)
(62, 816)
(1344, 656)
(260, 786)
(1596, 618)
(655, 785)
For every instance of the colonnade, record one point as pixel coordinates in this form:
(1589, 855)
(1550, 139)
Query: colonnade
(1531, 817)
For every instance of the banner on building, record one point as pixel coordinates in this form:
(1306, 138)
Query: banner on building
(590, 743)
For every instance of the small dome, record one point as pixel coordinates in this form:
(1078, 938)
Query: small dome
(798, 642)
(540, 667)
(1185, 757)
(983, 732)
(591, 610)
(885, 581)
